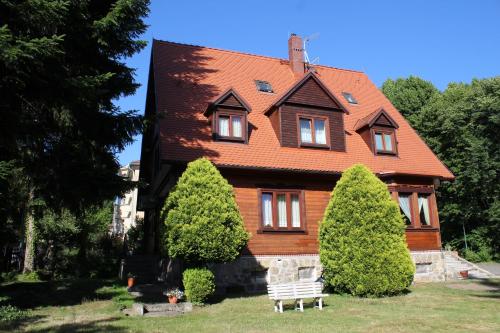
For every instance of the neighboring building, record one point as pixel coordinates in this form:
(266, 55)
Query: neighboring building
(125, 212)
(281, 132)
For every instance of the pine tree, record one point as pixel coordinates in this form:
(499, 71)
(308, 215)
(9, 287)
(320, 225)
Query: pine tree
(362, 241)
(202, 221)
(61, 68)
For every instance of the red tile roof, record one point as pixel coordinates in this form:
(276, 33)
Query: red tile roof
(188, 78)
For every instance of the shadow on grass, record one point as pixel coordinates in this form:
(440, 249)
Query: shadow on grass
(102, 325)
(28, 295)
(16, 325)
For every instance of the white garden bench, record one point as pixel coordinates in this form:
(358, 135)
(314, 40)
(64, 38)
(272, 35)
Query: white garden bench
(296, 291)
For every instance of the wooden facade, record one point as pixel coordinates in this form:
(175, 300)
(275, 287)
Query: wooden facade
(316, 190)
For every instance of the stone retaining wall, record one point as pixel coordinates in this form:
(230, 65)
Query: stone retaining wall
(253, 273)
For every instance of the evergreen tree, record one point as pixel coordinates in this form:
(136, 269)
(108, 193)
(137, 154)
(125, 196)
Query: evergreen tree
(202, 221)
(61, 65)
(362, 239)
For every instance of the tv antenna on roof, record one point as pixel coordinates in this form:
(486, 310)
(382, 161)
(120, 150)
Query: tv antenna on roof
(309, 63)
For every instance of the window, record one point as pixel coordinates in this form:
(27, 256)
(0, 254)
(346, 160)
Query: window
(231, 126)
(415, 206)
(350, 98)
(405, 207)
(264, 86)
(281, 210)
(423, 210)
(384, 142)
(313, 131)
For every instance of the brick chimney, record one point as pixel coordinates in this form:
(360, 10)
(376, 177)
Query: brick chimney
(296, 54)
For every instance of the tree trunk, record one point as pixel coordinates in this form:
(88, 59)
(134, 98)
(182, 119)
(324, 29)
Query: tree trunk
(29, 251)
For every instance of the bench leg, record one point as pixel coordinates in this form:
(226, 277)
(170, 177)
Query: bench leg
(281, 306)
(276, 306)
(320, 303)
(301, 305)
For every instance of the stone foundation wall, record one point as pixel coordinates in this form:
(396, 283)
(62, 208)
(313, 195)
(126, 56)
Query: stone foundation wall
(430, 266)
(253, 273)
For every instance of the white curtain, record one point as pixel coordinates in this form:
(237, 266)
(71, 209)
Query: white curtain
(388, 142)
(305, 131)
(282, 223)
(236, 126)
(319, 131)
(267, 209)
(404, 203)
(423, 203)
(378, 142)
(224, 126)
(295, 211)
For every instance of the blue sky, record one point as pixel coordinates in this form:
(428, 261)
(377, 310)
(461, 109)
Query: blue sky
(440, 41)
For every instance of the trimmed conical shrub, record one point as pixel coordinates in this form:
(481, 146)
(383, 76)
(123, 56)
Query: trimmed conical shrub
(362, 240)
(202, 221)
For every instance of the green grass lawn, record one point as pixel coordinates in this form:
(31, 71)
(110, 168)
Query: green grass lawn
(93, 306)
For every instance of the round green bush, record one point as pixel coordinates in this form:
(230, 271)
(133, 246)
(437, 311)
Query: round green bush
(199, 284)
(362, 238)
(202, 221)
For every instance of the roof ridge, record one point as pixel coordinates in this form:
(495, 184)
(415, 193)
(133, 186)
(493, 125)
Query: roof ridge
(252, 55)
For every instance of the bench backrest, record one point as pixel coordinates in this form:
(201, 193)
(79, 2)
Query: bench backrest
(294, 290)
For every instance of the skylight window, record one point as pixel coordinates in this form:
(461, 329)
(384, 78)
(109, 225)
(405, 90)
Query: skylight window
(350, 98)
(264, 86)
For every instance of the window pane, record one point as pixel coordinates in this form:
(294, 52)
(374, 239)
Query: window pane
(295, 210)
(236, 120)
(305, 131)
(423, 209)
(388, 142)
(224, 126)
(319, 131)
(405, 206)
(267, 209)
(282, 210)
(378, 141)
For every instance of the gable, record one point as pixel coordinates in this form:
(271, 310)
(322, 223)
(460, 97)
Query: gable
(382, 120)
(379, 117)
(311, 93)
(231, 101)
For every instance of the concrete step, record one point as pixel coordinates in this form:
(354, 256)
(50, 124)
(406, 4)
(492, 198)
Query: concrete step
(455, 264)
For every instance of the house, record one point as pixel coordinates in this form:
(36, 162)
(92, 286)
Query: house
(125, 212)
(281, 131)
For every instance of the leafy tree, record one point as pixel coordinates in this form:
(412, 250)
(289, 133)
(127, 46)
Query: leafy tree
(362, 239)
(202, 221)
(77, 246)
(465, 134)
(409, 95)
(62, 65)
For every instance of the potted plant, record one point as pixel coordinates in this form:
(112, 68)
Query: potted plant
(174, 295)
(130, 280)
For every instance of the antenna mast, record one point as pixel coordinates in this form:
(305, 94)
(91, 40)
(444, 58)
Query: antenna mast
(309, 63)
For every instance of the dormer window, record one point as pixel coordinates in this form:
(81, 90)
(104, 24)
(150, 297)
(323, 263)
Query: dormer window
(313, 131)
(378, 130)
(228, 115)
(230, 125)
(384, 142)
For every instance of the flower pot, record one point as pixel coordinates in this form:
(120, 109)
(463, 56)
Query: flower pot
(172, 299)
(464, 274)
(130, 282)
